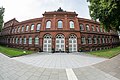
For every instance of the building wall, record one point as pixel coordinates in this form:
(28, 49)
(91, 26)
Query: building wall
(14, 30)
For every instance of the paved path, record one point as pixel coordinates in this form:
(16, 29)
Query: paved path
(59, 60)
(11, 69)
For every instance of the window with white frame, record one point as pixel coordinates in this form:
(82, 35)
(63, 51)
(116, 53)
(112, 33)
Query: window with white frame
(27, 28)
(60, 24)
(24, 40)
(97, 28)
(71, 24)
(30, 40)
(48, 24)
(32, 27)
(81, 27)
(20, 41)
(38, 27)
(18, 29)
(16, 40)
(22, 28)
(36, 40)
(95, 40)
(87, 28)
(93, 28)
(89, 40)
(83, 40)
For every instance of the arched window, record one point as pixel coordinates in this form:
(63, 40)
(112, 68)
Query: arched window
(27, 28)
(81, 27)
(32, 27)
(71, 24)
(48, 24)
(93, 28)
(22, 28)
(18, 29)
(36, 40)
(30, 40)
(20, 42)
(89, 40)
(95, 40)
(97, 28)
(24, 40)
(83, 40)
(38, 27)
(87, 28)
(60, 24)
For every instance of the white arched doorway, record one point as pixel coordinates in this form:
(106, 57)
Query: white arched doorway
(72, 43)
(47, 43)
(60, 43)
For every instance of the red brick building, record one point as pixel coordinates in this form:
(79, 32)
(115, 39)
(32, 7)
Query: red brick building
(58, 30)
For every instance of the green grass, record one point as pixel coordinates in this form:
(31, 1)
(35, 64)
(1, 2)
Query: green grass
(109, 53)
(13, 52)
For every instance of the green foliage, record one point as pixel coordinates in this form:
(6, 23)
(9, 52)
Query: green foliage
(12, 52)
(106, 53)
(1, 17)
(107, 12)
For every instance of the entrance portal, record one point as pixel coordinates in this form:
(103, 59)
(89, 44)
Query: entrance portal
(60, 43)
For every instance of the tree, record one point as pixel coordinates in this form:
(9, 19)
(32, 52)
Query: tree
(107, 12)
(1, 17)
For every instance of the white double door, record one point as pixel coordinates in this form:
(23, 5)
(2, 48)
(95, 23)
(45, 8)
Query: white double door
(73, 45)
(60, 44)
(47, 45)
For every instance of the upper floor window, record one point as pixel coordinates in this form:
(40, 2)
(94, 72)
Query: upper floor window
(87, 28)
(101, 30)
(71, 24)
(30, 40)
(13, 30)
(18, 29)
(22, 28)
(89, 40)
(93, 28)
(27, 27)
(81, 27)
(32, 27)
(36, 40)
(97, 28)
(60, 24)
(83, 40)
(38, 27)
(48, 24)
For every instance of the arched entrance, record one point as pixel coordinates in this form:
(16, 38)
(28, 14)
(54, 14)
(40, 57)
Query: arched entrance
(60, 43)
(47, 43)
(72, 43)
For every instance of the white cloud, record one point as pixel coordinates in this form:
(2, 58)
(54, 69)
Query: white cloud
(27, 9)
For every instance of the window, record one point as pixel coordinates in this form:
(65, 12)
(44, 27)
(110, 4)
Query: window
(71, 24)
(87, 28)
(27, 27)
(36, 40)
(20, 42)
(25, 40)
(60, 24)
(103, 40)
(94, 40)
(18, 29)
(13, 40)
(83, 41)
(38, 27)
(93, 29)
(101, 30)
(89, 40)
(81, 27)
(32, 27)
(30, 40)
(13, 30)
(22, 28)
(48, 24)
(99, 40)
(16, 40)
(97, 28)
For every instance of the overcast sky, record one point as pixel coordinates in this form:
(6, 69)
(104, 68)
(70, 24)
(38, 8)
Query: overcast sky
(28, 9)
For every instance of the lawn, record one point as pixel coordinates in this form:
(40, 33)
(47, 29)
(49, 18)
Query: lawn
(13, 52)
(109, 53)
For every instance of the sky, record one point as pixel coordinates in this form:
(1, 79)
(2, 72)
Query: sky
(29, 9)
